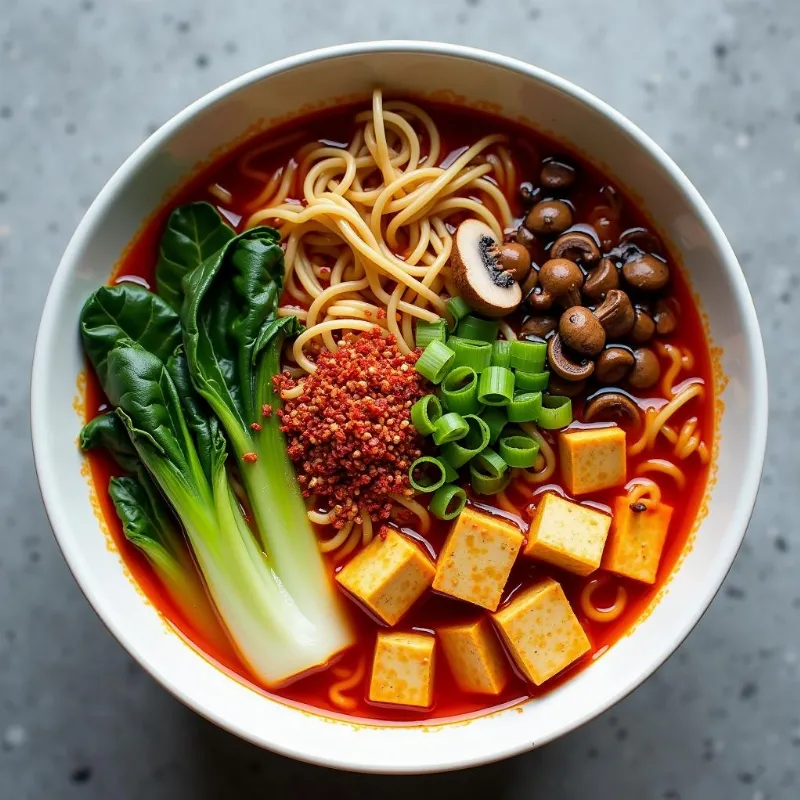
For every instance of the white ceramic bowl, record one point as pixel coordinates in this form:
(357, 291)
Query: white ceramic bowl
(517, 91)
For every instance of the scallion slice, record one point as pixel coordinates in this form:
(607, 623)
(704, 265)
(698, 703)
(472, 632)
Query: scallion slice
(490, 462)
(426, 474)
(428, 332)
(518, 451)
(450, 472)
(501, 353)
(472, 327)
(556, 412)
(435, 361)
(496, 419)
(496, 387)
(477, 438)
(448, 502)
(487, 484)
(470, 353)
(424, 414)
(458, 309)
(460, 390)
(525, 407)
(528, 356)
(449, 428)
(531, 381)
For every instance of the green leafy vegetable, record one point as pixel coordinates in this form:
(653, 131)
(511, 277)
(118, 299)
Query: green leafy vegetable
(194, 232)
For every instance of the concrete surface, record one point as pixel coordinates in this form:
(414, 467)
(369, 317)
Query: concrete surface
(82, 82)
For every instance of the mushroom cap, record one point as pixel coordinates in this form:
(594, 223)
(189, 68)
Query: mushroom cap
(515, 259)
(613, 364)
(643, 327)
(563, 365)
(610, 406)
(549, 216)
(561, 278)
(646, 369)
(477, 273)
(616, 314)
(539, 325)
(600, 281)
(581, 331)
(646, 273)
(575, 246)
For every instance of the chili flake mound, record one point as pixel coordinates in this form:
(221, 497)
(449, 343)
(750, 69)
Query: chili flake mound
(349, 431)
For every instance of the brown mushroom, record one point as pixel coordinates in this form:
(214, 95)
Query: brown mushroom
(615, 314)
(558, 386)
(643, 327)
(556, 175)
(515, 259)
(610, 406)
(613, 364)
(642, 238)
(666, 317)
(563, 365)
(575, 246)
(646, 369)
(600, 281)
(477, 273)
(527, 193)
(548, 217)
(581, 331)
(538, 326)
(646, 273)
(562, 279)
(539, 300)
(525, 237)
(530, 282)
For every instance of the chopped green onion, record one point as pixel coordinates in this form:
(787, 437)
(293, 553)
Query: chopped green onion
(490, 462)
(528, 356)
(431, 471)
(518, 451)
(450, 427)
(435, 361)
(496, 419)
(424, 414)
(460, 390)
(496, 387)
(458, 309)
(476, 439)
(525, 407)
(501, 353)
(470, 353)
(556, 412)
(448, 502)
(428, 332)
(450, 472)
(484, 330)
(531, 381)
(487, 484)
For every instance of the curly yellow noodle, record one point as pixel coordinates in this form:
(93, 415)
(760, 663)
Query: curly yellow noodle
(602, 614)
(336, 692)
(643, 490)
(366, 527)
(665, 467)
(502, 501)
(539, 475)
(655, 420)
(352, 542)
(415, 508)
(336, 541)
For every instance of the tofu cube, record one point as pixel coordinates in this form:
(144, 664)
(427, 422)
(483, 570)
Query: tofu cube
(476, 558)
(592, 459)
(541, 631)
(475, 657)
(388, 575)
(636, 540)
(567, 534)
(402, 670)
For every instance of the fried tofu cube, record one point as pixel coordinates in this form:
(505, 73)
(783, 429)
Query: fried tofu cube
(592, 459)
(402, 670)
(475, 657)
(541, 631)
(567, 534)
(388, 576)
(636, 540)
(476, 558)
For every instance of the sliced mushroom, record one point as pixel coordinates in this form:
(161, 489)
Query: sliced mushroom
(646, 369)
(643, 327)
(611, 406)
(557, 175)
(666, 317)
(581, 331)
(600, 281)
(613, 364)
(515, 259)
(563, 365)
(646, 273)
(562, 388)
(538, 326)
(616, 314)
(477, 273)
(575, 246)
(562, 279)
(549, 217)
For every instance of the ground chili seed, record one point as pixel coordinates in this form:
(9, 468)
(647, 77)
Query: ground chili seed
(349, 431)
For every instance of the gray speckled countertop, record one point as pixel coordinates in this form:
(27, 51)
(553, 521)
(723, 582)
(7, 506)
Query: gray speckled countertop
(83, 82)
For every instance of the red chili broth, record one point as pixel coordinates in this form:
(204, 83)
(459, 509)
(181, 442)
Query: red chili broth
(458, 128)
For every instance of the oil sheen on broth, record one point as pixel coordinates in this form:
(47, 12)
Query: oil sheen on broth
(609, 316)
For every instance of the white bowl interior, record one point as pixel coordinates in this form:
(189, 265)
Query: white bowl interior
(519, 92)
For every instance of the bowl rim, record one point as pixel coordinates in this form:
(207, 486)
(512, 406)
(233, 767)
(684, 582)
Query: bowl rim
(758, 400)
